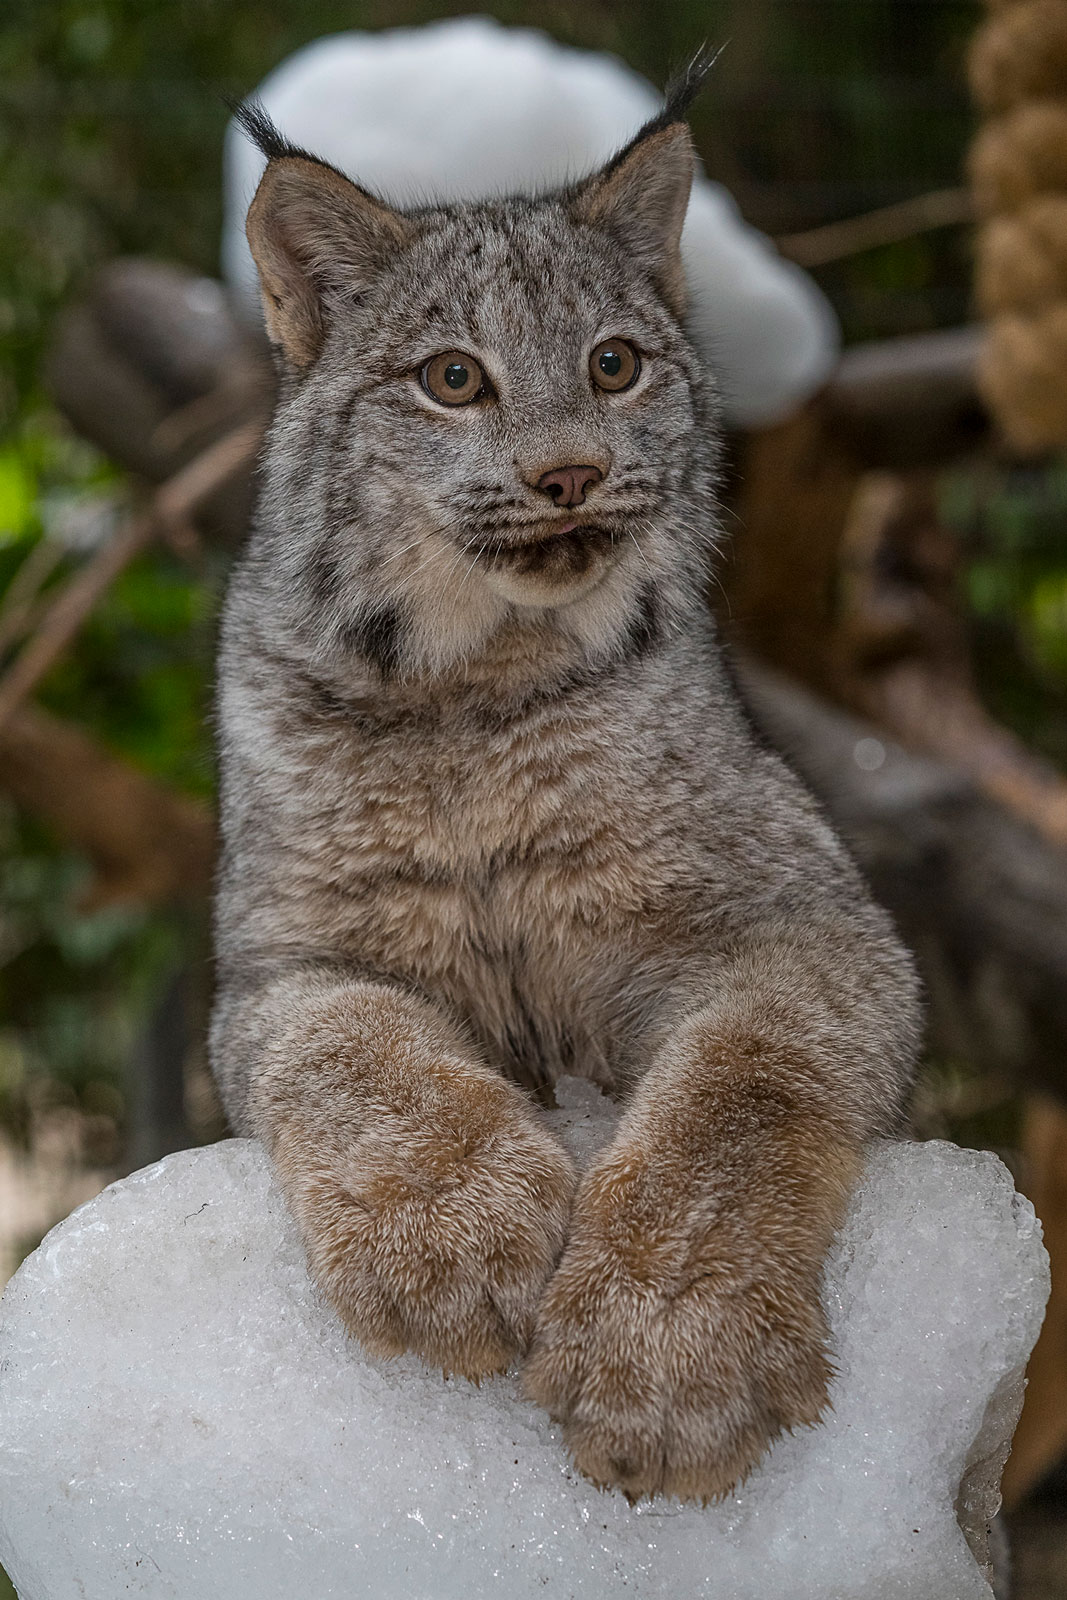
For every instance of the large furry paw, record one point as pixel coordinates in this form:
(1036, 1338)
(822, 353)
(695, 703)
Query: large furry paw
(438, 1226)
(669, 1350)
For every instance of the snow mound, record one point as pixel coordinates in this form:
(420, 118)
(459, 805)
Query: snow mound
(181, 1415)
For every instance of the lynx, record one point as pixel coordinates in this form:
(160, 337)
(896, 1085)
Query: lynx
(492, 813)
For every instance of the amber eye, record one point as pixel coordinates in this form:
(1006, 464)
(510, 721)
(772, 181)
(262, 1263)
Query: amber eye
(614, 365)
(453, 378)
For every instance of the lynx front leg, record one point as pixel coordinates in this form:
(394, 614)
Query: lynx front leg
(684, 1330)
(432, 1203)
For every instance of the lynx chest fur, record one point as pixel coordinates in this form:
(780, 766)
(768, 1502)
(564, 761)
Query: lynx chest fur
(530, 860)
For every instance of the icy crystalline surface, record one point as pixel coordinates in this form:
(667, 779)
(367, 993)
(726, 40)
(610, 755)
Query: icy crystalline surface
(181, 1416)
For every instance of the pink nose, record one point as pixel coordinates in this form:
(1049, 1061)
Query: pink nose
(567, 485)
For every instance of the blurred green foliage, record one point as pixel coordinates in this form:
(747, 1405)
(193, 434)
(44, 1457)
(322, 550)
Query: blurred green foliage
(75, 986)
(1013, 522)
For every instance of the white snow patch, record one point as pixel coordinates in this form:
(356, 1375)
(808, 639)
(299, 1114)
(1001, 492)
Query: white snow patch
(181, 1415)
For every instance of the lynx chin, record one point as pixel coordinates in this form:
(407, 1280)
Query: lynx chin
(491, 812)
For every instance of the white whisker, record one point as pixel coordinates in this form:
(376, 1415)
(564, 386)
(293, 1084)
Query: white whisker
(477, 557)
(422, 538)
(641, 553)
(442, 550)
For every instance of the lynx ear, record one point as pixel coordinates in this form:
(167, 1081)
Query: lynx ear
(643, 192)
(642, 198)
(313, 233)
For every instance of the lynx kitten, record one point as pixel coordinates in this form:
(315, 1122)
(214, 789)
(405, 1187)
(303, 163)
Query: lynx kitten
(491, 813)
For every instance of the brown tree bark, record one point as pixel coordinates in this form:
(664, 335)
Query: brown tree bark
(844, 578)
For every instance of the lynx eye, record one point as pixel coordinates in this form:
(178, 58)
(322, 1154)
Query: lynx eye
(614, 365)
(453, 378)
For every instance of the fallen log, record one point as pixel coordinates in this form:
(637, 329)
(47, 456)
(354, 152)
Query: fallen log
(979, 896)
(909, 402)
(153, 368)
(847, 579)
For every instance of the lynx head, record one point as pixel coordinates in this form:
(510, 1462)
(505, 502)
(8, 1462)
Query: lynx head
(492, 422)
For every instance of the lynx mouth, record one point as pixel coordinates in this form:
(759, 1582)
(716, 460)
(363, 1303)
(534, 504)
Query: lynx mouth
(564, 554)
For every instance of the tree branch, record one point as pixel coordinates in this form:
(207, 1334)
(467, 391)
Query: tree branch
(171, 507)
(816, 247)
(146, 843)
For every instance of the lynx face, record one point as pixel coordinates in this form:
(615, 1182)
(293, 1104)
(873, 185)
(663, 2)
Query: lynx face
(495, 416)
(488, 442)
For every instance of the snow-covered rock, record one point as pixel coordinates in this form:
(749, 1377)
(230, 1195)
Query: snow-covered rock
(465, 109)
(182, 1417)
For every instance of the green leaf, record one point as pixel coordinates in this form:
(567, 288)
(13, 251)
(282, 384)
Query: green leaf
(18, 492)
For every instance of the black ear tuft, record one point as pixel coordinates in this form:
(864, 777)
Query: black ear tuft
(684, 86)
(252, 118)
(679, 95)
